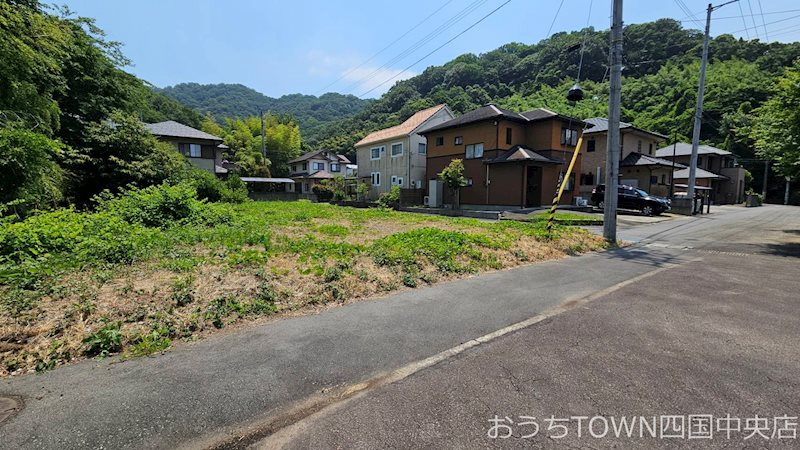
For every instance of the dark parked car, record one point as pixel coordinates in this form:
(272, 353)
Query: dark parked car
(630, 197)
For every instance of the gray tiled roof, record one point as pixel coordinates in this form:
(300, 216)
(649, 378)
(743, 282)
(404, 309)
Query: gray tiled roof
(699, 174)
(600, 125)
(684, 148)
(332, 156)
(520, 153)
(491, 111)
(170, 128)
(487, 112)
(640, 159)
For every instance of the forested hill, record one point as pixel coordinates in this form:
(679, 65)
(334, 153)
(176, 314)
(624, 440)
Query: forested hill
(659, 87)
(235, 100)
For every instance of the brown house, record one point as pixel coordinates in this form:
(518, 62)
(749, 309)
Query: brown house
(510, 159)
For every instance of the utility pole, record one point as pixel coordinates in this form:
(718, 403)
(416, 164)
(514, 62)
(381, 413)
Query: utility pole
(766, 174)
(612, 152)
(672, 174)
(263, 142)
(698, 112)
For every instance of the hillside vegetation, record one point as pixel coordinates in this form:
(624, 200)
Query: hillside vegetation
(238, 101)
(659, 85)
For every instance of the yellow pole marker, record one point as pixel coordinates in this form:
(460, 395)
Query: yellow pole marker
(557, 198)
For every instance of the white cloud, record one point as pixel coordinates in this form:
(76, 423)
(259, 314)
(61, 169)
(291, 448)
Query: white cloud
(367, 78)
(353, 78)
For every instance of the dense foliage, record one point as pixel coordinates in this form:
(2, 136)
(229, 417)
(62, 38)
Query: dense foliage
(659, 86)
(237, 101)
(776, 126)
(70, 116)
(243, 137)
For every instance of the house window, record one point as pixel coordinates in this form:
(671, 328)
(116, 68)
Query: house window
(397, 181)
(569, 136)
(591, 145)
(699, 161)
(305, 166)
(195, 151)
(663, 178)
(305, 187)
(375, 153)
(439, 141)
(318, 166)
(397, 149)
(587, 179)
(422, 149)
(376, 178)
(508, 136)
(335, 167)
(653, 179)
(294, 167)
(650, 149)
(639, 146)
(459, 140)
(474, 151)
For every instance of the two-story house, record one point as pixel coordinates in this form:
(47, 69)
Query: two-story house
(203, 150)
(510, 159)
(397, 156)
(717, 170)
(639, 165)
(313, 167)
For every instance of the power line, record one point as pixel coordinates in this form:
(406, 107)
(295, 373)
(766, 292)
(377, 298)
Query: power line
(385, 48)
(439, 47)
(420, 43)
(769, 23)
(585, 34)
(554, 18)
(766, 33)
(753, 17)
(688, 12)
(744, 21)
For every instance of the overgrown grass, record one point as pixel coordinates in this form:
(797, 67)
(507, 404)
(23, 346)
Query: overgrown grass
(156, 266)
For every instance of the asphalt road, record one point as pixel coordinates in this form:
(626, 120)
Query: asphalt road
(243, 386)
(717, 335)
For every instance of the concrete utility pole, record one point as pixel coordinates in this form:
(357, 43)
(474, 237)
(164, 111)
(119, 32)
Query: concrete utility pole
(612, 152)
(698, 112)
(786, 192)
(766, 174)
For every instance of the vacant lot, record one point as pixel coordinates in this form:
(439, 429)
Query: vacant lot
(74, 284)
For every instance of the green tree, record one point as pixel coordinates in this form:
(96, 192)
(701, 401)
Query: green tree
(776, 124)
(118, 152)
(30, 172)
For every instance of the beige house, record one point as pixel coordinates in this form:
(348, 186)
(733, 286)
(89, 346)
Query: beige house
(203, 150)
(397, 156)
(717, 170)
(313, 167)
(642, 169)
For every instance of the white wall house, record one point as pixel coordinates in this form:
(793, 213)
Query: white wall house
(397, 156)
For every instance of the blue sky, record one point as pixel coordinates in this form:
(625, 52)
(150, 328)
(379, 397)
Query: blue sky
(305, 45)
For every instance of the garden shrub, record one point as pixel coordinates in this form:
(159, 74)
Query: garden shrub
(390, 199)
(212, 189)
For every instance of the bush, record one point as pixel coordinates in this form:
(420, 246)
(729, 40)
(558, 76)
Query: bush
(212, 189)
(390, 199)
(30, 174)
(163, 206)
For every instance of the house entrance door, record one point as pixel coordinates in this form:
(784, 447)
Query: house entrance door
(533, 189)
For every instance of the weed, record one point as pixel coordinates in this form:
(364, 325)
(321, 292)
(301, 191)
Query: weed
(105, 341)
(183, 291)
(155, 341)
